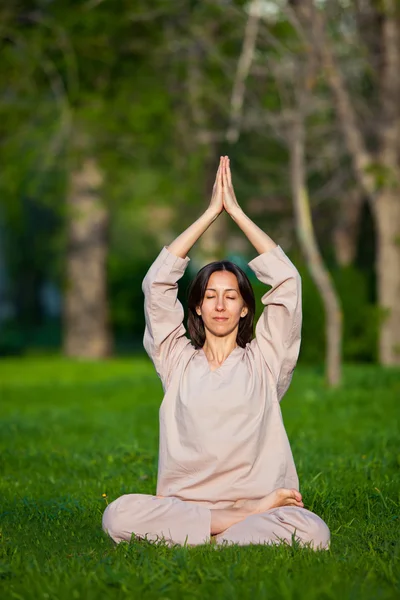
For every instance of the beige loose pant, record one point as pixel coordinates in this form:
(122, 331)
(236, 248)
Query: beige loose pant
(180, 522)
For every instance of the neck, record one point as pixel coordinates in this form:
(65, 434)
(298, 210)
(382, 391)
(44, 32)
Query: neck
(218, 349)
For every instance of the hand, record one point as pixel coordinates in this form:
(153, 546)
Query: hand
(217, 204)
(230, 203)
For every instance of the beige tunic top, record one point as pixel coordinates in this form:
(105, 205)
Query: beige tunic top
(221, 432)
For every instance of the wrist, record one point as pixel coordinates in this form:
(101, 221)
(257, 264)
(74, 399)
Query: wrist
(212, 214)
(236, 213)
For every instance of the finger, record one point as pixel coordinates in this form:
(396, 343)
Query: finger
(228, 171)
(224, 181)
(220, 170)
(219, 166)
(218, 175)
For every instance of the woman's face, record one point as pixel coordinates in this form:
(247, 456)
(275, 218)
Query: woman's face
(223, 305)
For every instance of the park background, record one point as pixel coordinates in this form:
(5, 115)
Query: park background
(113, 115)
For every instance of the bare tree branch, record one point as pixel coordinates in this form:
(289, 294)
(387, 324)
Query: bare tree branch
(243, 69)
(361, 157)
(310, 249)
(194, 87)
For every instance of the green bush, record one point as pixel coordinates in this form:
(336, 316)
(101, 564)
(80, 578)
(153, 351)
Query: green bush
(360, 317)
(11, 339)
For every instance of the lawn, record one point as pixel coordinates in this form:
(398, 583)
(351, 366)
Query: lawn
(71, 432)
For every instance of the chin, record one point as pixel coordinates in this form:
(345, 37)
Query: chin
(221, 331)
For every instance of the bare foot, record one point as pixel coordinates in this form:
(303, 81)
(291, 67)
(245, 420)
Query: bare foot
(279, 497)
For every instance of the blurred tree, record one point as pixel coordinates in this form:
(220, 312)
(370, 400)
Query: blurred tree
(91, 72)
(374, 29)
(347, 226)
(112, 122)
(87, 332)
(293, 73)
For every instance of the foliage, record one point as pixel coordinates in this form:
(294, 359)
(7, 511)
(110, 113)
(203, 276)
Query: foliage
(361, 318)
(117, 84)
(79, 81)
(126, 273)
(71, 432)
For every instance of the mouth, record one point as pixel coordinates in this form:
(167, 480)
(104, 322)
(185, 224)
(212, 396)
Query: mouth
(220, 318)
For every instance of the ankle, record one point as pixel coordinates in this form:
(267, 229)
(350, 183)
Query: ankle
(241, 512)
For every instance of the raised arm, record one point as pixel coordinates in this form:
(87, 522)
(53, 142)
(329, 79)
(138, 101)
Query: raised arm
(184, 242)
(164, 338)
(278, 331)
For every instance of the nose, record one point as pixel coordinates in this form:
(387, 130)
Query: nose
(220, 304)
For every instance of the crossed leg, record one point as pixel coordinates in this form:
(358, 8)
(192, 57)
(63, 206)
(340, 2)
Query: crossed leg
(279, 525)
(149, 516)
(180, 522)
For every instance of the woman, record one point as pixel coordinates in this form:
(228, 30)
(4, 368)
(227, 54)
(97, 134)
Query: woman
(225, 468)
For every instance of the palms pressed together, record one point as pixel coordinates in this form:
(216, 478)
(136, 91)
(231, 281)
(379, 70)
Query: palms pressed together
(223, 196)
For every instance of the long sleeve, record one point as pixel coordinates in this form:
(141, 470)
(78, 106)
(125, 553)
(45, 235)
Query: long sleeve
(278, 330)
(164, 336)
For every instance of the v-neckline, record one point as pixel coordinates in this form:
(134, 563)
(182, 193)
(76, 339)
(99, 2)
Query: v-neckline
(221, 365)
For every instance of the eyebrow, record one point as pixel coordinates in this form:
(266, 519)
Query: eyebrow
(226, 290)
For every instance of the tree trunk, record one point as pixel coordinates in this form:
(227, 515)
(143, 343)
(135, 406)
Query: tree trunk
(86, 326)
(309, 246)
(243, 69)
(345, 233)
(370, 166)
(387, 214)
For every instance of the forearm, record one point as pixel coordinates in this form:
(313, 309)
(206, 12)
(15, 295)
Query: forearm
(184, 242)
(256, 236)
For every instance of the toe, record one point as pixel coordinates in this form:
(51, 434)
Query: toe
(297, 495)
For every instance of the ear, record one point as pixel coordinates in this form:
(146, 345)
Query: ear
(198, 310)
(244, 312)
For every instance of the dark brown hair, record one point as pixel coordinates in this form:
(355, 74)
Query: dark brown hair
(196, 293)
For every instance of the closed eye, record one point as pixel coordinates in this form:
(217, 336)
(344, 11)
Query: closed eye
(229, 297)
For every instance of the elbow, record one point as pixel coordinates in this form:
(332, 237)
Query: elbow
(291, 281)
(296, 288)
(296, 277)
(292, 293)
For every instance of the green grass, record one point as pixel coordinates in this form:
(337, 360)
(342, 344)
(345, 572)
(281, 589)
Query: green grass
(70, 432)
